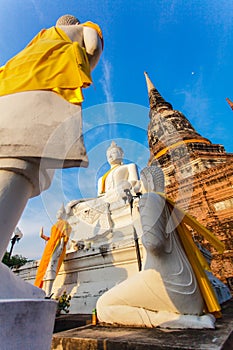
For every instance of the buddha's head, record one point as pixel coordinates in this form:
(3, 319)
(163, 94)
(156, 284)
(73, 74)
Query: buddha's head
(115, 154)
(61, 213)
(152, 178)
(67, 20)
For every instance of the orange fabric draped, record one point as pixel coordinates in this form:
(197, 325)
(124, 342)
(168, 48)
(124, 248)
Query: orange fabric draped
(60, 230)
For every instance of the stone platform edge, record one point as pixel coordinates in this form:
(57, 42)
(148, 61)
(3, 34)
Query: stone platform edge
(100, 337)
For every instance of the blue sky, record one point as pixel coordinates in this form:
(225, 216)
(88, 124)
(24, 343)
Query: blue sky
(186, 48)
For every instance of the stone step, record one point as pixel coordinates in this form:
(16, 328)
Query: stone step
(99, 337)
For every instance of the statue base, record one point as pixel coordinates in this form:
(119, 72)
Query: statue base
(26, 323)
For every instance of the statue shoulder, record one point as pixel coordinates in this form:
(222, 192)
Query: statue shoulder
(75, 33)
(129, 166)
(96, 27)
(151, 199)
(132, 166)
(133, 171)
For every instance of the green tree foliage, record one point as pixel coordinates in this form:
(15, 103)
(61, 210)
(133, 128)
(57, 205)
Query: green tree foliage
(14, 261)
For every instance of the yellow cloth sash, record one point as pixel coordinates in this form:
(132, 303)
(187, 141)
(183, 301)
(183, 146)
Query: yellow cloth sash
(196, 259)
(60, 230)
(104, 177)
(51, 61)
(164, 150)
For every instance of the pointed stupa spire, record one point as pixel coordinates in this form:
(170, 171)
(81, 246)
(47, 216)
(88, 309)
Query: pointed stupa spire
(230, 103)
(157, 102)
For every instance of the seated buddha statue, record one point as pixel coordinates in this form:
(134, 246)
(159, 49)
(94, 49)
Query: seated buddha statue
(118, 174)
(95, 214)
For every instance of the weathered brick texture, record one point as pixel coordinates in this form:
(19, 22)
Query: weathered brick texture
(199, 175)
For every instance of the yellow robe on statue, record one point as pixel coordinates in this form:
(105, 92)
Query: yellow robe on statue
(51, 61)
(60, 230)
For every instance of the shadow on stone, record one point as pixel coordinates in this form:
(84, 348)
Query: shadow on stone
(66, 322)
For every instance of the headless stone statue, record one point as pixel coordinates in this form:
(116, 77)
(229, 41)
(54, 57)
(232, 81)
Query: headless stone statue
(40, 119)
(166, 292)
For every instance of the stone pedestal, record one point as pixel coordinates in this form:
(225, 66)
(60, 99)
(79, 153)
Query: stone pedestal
(26, 323)
(88, 273)
(105, 260)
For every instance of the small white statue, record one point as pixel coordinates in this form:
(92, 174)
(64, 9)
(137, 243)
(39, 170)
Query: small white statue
(166, 292)
(54, 252)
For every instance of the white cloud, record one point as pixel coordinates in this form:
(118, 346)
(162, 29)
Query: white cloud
(37, 9)
(106, 84)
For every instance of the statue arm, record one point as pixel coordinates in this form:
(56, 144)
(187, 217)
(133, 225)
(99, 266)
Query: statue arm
(99, 187)
(133, 173)
(133, 177)
(42, 235)
(93, 45)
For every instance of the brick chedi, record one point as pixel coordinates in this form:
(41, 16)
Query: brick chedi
(198, 175)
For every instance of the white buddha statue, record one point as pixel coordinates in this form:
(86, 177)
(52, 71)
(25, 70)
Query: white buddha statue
(118, 174)
(165, 293)
(93, 216)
